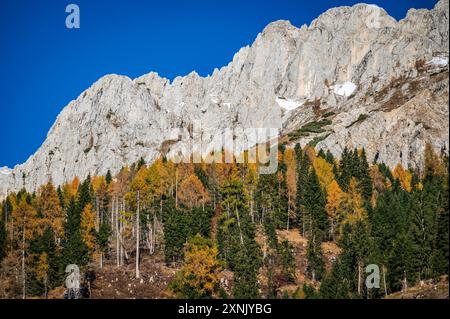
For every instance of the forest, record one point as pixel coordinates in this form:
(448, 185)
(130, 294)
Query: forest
(225, 231)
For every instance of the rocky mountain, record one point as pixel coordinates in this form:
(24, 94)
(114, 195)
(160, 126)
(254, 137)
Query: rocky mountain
(354, 77)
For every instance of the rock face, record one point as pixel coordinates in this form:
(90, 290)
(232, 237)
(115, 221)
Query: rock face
(383, 85)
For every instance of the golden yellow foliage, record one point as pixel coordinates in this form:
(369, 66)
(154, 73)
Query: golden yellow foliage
(47, 203)
(192, 193)
(324, 171)
(200, 274)
(87, 227)
(42, 268)
(351, 208)
(403, 176)
(334, 201)
(25, 219)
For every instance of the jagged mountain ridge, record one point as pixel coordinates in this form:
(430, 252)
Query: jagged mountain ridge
(357, 62)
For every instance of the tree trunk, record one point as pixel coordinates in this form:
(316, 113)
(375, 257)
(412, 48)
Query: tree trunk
(23, 262)
(288, 208)
(176, 188)
(239, 225)
(45, 286)
(359, 278)
(117, 232)
(137, 237)
(97, 214)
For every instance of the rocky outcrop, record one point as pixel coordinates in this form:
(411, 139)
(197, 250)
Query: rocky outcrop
(384, 82)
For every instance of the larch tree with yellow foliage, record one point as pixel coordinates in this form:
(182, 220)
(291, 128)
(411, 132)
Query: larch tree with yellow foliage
(351, 208)
(48, 205)
(192, 193)
(199, 277)
(87, 227)
(334, 201)
(404, 176)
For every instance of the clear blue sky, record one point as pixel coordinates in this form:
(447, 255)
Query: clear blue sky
(43, 65)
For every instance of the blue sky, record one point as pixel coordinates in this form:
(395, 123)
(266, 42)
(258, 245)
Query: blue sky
(44, 65)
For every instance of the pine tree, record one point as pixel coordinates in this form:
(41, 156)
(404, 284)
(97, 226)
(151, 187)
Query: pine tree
(175, 232)
(108, 177)
(400, 265)
(84, 194)
(288, 266)
(74, 248)
(237, 239)
(140, 164)
(245, 282)
(330, 158)
(334, 285)
(314, 202)
(365, 180)
(314, 255)
(345, 169)
(303, 166)
(46, 263)
(271, 204)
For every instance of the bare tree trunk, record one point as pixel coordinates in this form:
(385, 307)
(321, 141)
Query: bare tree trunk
(45, 286)
(176, 187)
(239, 225)
(120, 236)
(117, 232)
(24, 288)
(359, 278)
(154, 232)
(288, 208)
(384, 280)
(97, 214)
(6, 217)
(137, 237)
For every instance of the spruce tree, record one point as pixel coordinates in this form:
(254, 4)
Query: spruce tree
(288, 266)
(74, 248)
(108, 177)
(345, 169)
(335, 285)
(314, 202)
(45, 244)
(303, 166)
(175, 232)
(236, 239)
(314, 255)
(365, 179)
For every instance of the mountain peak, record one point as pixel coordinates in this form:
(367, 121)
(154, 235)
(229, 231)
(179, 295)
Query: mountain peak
(287, 78)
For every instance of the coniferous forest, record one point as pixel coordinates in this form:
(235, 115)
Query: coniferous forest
(224, 231)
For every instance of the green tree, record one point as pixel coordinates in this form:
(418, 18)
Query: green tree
(288, 266)
(316, 265)
(314, 202)
(74, 248)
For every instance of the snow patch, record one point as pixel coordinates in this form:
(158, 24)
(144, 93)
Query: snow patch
(5, 170)
(345, 89)
(441, 62)
(288, 104)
